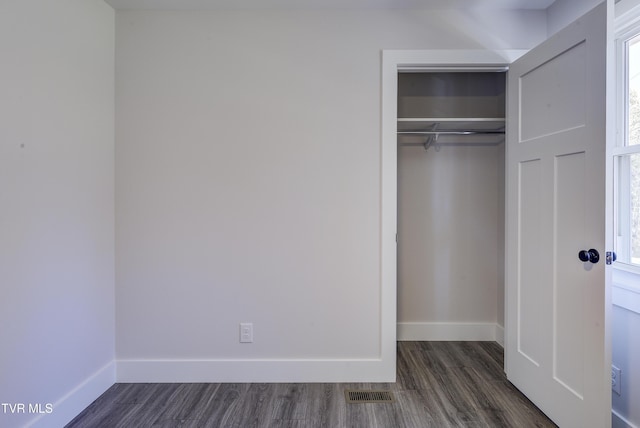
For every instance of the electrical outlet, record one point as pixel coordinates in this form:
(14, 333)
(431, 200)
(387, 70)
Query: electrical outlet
(246, 332)
(616, 379)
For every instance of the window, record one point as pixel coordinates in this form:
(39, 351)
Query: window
(627, 152)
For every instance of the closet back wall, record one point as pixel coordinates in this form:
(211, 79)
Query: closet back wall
(248, 180)
(450, 243)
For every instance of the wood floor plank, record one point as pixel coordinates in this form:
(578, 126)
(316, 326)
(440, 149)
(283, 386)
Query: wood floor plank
(414, 411)
(439, 385)
(189, 402)
(225, 405)
(158, 397)
(333, 409)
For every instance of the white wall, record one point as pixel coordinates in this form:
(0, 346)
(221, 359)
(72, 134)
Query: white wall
(563, 12)
(57, 217)
(449, 241)
(248, 184)
(626, 354)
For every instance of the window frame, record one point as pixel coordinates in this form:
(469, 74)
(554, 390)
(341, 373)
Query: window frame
(626, 276)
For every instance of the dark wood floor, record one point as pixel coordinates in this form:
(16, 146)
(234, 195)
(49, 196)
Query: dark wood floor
(439, 384)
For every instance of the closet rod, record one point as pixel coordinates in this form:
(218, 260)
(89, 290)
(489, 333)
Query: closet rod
(468, 132)
(457, 144)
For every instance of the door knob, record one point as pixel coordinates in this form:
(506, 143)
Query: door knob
(589, 256)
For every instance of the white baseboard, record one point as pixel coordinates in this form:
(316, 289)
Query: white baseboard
(436, 331)
(500, 335)
(272, 371)
(618, 421)
(76, 400)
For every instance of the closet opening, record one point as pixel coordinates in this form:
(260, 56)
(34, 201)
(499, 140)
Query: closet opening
(451, 205)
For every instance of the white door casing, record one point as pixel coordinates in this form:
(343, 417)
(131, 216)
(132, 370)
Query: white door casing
(557, 349)
(392, 62)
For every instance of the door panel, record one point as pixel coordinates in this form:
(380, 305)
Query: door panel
(555, 312)
(530, 295)
(570, 204)
(547, 109)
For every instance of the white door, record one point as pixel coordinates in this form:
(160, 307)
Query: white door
(556, 350)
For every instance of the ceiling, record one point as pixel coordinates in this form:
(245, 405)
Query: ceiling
(328, 4)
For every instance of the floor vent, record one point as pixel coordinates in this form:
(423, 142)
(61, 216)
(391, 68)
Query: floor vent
(359, 396)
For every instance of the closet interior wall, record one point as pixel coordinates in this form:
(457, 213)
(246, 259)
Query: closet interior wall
(450, 207)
